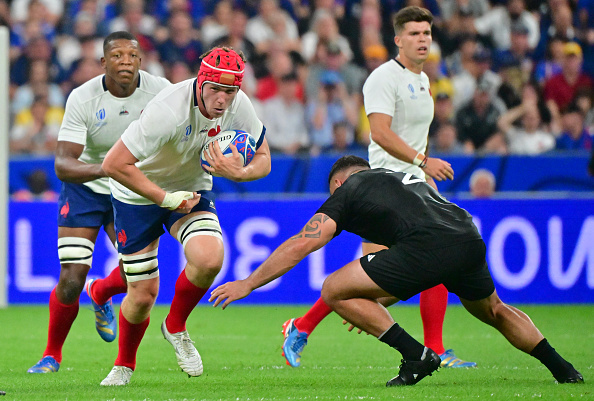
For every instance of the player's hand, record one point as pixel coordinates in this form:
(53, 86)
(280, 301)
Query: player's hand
(180, 201)
(352, 327)
(439, 169)
(229, 292)
(230, 167)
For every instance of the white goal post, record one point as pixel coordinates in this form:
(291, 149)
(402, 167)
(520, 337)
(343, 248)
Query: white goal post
(4, 72)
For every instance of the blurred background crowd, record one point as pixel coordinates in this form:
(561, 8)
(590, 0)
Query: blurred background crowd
(507, 76)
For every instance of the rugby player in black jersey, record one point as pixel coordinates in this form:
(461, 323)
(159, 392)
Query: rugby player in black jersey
(430, 241)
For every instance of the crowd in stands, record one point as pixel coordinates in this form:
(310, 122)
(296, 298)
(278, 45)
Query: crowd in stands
(507, 76)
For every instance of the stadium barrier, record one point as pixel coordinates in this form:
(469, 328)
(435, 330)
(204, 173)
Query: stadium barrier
(549, 172)
(539, 250)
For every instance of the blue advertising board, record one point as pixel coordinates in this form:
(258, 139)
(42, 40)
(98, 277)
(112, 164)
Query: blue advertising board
(539, 251)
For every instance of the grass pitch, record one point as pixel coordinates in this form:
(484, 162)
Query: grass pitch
(240, 348)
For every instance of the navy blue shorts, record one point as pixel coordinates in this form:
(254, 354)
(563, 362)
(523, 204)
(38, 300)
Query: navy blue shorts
(137, 226)
(79, 206)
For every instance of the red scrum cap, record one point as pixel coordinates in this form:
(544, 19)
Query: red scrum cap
(222, 66)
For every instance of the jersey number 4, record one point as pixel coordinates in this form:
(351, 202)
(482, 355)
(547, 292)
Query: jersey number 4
(410, 179)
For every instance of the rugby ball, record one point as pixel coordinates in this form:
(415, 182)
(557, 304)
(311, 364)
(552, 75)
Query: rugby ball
(244, 142)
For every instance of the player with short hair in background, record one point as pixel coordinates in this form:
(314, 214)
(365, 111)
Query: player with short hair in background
(399, 105)
(427, 241)
(96, 114)
(157, 180)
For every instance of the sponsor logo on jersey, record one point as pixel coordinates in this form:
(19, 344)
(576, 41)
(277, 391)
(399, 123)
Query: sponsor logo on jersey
(187, 133)
(211, 205)
(422, 89)
(122, 238)
(123, 111)
(64, 210)
(411, 88)
(214, 132)
(100, 118)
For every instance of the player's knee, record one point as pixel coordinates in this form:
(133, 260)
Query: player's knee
(141, 267)
(329, 291)
(71, 282)
(207, 269)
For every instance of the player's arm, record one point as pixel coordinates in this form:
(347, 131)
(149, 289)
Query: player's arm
(120, 164)
(318, 231)
(70, 169)
(232, 167)
(391, 142)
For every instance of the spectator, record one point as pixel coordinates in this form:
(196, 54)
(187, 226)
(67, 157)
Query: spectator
(324, 29)
(482, 183)
(38, 188)
(452, 9)
(559, 24)
(278, 64)
(496, 24)
(445, 141)
(218, 24)
(462, 58)
(574, 135)
(84, 42)
(591, 163)
(182, 44)
(37, 85)
(560, 89)
(477, 123)
(35, 130)
(332, 105)
(284, 117)
(178, 71)
(552, 63)
(583, 99)
(479, 68)
(134, 20)
(20, 10)
(38, 48)
(271, 24)
(529, 138)
(443, 113)
(518, 53)
(331, 58)
(37, 16)
(236, 39)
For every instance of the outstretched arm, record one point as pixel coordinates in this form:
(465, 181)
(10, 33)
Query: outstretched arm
(318, 231)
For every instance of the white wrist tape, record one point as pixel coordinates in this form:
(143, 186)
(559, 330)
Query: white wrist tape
(418, 160)
(174, 200)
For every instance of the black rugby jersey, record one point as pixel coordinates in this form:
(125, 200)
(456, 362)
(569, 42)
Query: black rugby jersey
(388, 207)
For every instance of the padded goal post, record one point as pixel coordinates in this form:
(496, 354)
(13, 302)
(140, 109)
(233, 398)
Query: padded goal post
(4, 134)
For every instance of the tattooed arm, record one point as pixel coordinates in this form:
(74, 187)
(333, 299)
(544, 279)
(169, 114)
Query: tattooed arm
(318, 231)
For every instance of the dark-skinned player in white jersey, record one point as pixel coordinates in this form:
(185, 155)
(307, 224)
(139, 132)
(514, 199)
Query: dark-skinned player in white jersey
(428, 240)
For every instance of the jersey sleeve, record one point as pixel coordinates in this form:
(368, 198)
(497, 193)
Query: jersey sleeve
(336, 207)
(74, 125)
(379, 94)
(246, 119)
(151, 131)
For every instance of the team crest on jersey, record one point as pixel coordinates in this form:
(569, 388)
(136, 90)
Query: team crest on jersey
(122, 237)
(100, 118)
(64, 210)
(187, 133)
(411, 88)
(123, 111)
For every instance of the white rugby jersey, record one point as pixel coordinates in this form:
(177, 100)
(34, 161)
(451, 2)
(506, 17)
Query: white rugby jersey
(394, 90)
(168, 138)
(96, 119)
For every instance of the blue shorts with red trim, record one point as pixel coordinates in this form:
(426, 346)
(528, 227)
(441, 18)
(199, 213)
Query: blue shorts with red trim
(79, 206)
(137, 226)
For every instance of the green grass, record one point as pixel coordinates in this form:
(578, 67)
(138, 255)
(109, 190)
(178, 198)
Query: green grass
(240, 348)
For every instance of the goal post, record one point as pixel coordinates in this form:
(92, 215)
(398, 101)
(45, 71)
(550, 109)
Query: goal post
(4, 117)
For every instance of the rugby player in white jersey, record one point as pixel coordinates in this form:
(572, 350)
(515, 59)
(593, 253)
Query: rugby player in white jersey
(96, 114)
(157, 181)
(400, 109)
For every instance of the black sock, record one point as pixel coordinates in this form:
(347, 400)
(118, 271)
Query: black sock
(399, 339)
(559, 367)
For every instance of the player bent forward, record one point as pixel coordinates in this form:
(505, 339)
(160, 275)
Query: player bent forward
(421, 230)
(157, 181)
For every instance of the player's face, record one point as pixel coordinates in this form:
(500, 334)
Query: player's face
(121, 62)
(414, 41)
(217, 99)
